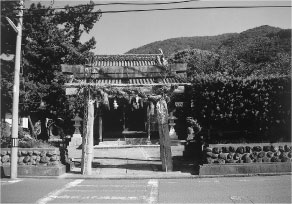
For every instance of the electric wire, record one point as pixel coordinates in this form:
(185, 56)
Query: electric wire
(115, 3)
(170, 9)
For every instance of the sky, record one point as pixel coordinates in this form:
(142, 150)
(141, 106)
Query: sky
(120, 32)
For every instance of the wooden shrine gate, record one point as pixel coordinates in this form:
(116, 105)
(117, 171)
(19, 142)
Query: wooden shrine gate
(125, 74)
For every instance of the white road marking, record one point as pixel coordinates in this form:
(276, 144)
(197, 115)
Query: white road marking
(101, 197)
(54, 194)
(243, 180)
(14, 181)
(237, 198)
(153, 198)
(111, 185)
(104, 190)
(10, 181)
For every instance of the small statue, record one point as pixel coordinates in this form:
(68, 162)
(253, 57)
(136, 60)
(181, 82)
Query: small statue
(193, 128)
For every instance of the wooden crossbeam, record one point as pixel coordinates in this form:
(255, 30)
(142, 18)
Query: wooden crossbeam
(123, 85)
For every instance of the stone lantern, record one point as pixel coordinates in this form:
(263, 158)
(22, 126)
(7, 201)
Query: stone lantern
(76, 140)
(172, 133)
(77, 124)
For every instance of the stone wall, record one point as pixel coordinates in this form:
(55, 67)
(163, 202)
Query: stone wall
(247, 153)
(32, 157)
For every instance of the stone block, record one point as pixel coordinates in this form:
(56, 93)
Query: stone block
(240, 150)
(26, 159)
(36, 152)
(20, 159)
(216, 150)
(231, 149)
(273, 148)
(253, 155)
(38, 158)
(236, 156)
(275, 159)
(270, 154)
(261, 154)
(247, 160)
(266, 159)
(267, 148)
(3, 153)
(287, 148)
(25, 170)
(230, 161)
(230, 155)
(54, 158)
(43, 153)
(247, 149)
(285, 159)
(225, 150)
(257, 148)
(44, 159)
(209, 154)
(252, 168)
(5, 158)
(223, 156)
(214, 156)
(208, 149)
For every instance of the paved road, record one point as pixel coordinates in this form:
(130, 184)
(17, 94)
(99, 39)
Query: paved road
(267, 189)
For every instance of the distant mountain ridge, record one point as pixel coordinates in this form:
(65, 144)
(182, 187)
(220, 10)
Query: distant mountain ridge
(170, 46)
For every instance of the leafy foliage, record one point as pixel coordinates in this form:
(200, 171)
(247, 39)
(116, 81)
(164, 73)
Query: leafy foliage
(256, 104)
(48, 41)
(263, 50)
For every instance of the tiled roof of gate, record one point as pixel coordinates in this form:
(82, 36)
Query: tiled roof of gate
(125, 60)
(138, 81)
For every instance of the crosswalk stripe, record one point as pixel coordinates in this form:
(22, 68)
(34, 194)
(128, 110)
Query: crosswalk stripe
(54, 194)
(153, 198)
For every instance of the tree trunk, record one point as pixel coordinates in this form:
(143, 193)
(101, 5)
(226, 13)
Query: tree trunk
(165, 147)
(87, 140)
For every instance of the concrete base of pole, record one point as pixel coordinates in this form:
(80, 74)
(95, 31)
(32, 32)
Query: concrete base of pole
(14, 158)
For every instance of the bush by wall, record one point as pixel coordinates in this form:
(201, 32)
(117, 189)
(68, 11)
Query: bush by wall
(260, 107)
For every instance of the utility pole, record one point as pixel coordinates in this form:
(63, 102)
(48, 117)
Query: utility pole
(14, 139)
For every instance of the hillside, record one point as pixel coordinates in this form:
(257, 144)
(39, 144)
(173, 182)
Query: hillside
(173, 45)
(229, 40)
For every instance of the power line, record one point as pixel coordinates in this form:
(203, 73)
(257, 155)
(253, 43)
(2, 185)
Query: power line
(117, 3)
(176, 8)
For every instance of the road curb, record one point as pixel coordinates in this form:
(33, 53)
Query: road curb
(164, 176)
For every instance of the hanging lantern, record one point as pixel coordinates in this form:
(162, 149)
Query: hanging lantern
(115, 104)
(42, 105)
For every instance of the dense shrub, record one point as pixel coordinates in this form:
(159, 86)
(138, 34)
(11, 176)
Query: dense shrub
(25, 140)
(257, 105)
(33, 143)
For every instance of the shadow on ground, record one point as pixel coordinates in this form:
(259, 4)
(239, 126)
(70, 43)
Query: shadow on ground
(180, 164)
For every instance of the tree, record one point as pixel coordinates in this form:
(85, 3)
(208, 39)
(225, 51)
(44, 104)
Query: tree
(76, 21)
(48, 42)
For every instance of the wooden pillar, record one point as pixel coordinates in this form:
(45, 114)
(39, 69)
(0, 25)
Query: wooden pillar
(87, 140)
(124, 117)
(148, 124)
(165, 146)
(100, 127)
